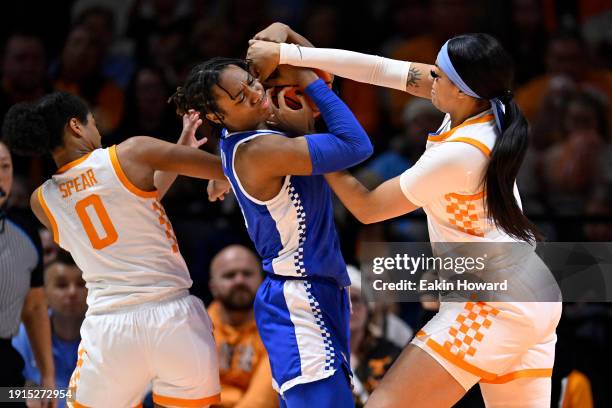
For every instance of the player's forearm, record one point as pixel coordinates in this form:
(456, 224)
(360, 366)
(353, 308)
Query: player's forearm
(353, 195)
(36, 321)
(384, 202)
(411, 77)
(346, 144)
(163, 180)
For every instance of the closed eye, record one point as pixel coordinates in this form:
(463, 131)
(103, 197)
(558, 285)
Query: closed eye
(250, 82)
(433, 74)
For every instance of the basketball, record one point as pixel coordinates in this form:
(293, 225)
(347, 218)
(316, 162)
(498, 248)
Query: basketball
(292, 92)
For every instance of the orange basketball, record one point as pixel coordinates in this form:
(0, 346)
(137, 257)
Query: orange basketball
(293, 90)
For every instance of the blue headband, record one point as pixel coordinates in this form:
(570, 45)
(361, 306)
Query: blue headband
(446, 65)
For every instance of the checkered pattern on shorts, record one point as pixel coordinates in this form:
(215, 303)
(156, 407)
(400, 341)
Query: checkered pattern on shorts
(469, 328)
(330, 352)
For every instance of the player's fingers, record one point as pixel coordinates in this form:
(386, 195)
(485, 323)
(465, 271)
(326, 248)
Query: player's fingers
(304, 103)
(272, 105)
(281, 99)
(201, 141)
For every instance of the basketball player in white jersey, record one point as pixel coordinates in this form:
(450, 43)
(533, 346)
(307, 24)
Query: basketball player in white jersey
(142, 326)
(465, 182)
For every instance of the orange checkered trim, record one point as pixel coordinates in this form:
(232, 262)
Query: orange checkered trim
(469, 328)
(463, 213)
(74, 379)
(163, 220)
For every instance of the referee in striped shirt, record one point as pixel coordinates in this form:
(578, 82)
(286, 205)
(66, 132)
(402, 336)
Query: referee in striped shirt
(21, 289)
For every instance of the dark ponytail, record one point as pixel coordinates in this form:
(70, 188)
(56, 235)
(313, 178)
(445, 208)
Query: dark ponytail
(36, 129)
(488, 70)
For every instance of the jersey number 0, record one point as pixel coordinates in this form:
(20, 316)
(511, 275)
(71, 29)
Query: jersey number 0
(95, 203)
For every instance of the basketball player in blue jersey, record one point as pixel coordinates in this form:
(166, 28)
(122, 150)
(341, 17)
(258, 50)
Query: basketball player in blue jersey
(302, 308)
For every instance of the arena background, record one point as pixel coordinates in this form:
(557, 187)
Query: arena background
(126, 57)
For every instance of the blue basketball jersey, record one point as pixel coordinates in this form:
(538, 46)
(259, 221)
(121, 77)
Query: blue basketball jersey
(294, 232)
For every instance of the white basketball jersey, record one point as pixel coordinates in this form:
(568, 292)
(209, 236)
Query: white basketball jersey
(460, 216)
(118, 235)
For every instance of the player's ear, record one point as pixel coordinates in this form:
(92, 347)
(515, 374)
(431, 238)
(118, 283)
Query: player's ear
(213, 118)
(76, 126)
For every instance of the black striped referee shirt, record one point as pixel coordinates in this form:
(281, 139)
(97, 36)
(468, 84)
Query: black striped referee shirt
(21, 267)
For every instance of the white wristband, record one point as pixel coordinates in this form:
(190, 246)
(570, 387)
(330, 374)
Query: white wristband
(370, 69)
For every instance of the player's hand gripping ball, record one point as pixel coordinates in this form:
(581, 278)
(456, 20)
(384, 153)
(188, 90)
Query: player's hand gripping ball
(281, 81)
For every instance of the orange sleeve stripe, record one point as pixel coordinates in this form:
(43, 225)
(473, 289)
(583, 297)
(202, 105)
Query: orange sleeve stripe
(123, 178)
(75, 404)
(449, 133)
(421, 333)
(528, 372)
(480, 146)
(73, 163)
(45, 208)
(460, 362)
(184, 402)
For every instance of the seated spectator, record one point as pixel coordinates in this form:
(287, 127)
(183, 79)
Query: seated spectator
(23, 71)
(571, 168)
(246, 378)
(371, 353)
(79, 72)
(117, 63)
(566, 58)
(66, 293)
(24, 79)
(147, 20)
(147, 111)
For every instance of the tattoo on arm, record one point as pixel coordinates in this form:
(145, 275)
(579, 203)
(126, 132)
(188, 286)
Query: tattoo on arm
(413, 78)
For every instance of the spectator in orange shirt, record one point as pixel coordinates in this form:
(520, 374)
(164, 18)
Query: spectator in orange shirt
(246, 378)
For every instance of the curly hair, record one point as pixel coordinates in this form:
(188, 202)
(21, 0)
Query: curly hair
(197, 93)
(36, 129)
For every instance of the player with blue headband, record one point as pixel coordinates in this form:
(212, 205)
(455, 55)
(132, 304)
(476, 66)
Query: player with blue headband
(465, 181)
(446, 65)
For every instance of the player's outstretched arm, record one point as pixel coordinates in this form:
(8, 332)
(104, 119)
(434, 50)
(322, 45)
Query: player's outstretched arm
(411, 77)
(141, 156)
(437, 172)
(384, 202)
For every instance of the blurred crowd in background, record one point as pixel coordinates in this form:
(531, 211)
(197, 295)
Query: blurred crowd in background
(125, 58)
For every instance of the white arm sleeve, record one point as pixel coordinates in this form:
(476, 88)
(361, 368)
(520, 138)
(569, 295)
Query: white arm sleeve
(370, 69)
(447, 168)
